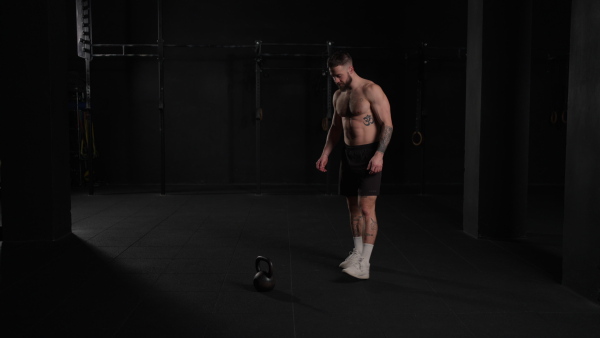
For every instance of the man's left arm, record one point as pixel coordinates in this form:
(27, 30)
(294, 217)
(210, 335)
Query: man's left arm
(380, 107)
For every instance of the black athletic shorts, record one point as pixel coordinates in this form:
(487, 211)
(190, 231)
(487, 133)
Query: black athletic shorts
(354, 176)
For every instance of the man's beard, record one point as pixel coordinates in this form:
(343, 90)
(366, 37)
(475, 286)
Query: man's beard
(343, 86)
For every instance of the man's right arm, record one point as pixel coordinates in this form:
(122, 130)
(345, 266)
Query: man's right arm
(333, 136)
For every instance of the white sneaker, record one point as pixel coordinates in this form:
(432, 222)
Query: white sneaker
(359, 269)
(352, 258)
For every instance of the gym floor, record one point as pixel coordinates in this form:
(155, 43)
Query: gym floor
(182, 265)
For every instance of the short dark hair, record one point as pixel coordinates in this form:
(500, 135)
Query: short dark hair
(339, 58)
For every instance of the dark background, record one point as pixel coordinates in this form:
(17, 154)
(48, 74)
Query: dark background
(209, 92)
(210, 107)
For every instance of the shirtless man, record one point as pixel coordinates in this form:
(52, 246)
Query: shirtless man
(362, 114)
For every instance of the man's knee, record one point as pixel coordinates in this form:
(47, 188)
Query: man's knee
(368, 213)
(367, 204)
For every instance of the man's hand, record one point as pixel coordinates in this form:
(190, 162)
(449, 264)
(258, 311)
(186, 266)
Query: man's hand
(376, 163)
(322, 163)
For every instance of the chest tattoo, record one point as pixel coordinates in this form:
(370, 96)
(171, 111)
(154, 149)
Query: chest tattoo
(368, 120)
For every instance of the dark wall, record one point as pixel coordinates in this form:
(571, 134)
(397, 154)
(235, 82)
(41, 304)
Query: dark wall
(210, 128)
(210, 92)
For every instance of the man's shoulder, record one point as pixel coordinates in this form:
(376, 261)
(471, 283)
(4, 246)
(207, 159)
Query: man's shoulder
(336, 94)
(370, 87)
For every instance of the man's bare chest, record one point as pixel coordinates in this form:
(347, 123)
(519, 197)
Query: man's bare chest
(350, 106)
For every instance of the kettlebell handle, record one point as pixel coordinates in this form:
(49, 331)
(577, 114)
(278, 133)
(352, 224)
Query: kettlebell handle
(264, 259)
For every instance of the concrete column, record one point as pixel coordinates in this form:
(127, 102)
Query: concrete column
(581, 227)
(36, 196)
(497, 118)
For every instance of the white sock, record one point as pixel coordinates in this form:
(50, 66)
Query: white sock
(358, 244)
(366, 253)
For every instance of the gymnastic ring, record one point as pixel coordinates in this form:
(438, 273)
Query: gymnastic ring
(418, 133)
(563, 116)
(325, 124)
(553, 117)
(259, 114)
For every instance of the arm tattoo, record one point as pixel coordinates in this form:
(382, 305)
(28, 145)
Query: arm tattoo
(384, 140)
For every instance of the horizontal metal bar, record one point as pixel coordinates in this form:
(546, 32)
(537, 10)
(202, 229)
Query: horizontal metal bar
(125, 55)
(170, 45)
(290, 68)
(209, 46)
(363, 47)
(125, 45)
(286, 54)
(293, 44)
(254, 46)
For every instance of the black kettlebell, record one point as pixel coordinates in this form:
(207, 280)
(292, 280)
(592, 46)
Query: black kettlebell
(264, 280)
